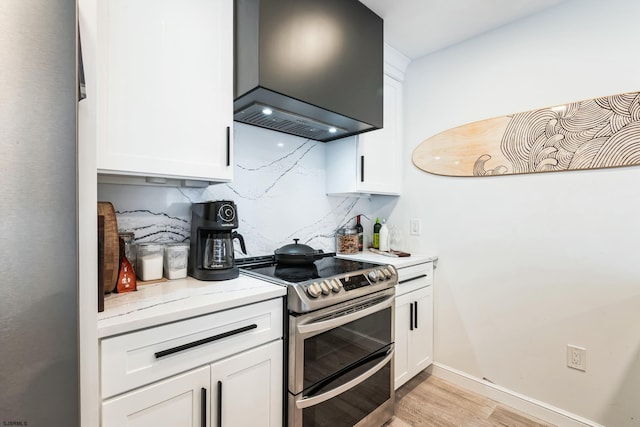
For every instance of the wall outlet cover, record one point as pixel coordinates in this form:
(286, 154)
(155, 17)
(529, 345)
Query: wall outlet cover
(577, 357)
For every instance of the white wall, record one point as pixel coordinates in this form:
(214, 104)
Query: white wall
(531, 263)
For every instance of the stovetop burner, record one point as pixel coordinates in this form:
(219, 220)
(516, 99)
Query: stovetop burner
(296, 274)
(325, 267)
(326, 281)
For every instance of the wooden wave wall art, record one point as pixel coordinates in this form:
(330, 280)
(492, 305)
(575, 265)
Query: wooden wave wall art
(591, 134)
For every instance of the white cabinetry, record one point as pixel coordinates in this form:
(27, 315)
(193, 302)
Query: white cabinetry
(225, 366)
(247, 388)
(371, 162)
(180, 401)
(414, 321)
(164, 82)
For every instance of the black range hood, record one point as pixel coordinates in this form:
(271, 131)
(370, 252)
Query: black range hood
(312, 68)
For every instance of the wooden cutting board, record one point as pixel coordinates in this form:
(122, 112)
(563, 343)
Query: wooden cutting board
(111, 246)
(591, 134)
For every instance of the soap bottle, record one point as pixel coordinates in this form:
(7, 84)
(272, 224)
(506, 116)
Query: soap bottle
(384, 236)
(376, 234)
(360, 232)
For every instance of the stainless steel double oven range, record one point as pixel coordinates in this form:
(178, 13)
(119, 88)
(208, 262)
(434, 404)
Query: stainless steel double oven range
(340, 339)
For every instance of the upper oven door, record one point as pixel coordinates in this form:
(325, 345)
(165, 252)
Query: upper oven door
(327, 342)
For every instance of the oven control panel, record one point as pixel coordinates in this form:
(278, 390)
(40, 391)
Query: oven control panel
(335, 285)
(354, 282)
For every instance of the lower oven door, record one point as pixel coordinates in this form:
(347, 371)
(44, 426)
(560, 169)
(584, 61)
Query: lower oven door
(361, 396)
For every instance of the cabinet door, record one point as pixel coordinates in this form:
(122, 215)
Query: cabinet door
(247, 388)
(165, 82)
(421, 338)
(380, 151)
(402, 330)
(413, 334)
(176, 402)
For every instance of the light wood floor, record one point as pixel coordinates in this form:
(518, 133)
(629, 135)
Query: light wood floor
(429, 401)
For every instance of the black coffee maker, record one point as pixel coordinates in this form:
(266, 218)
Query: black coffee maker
(212, 234)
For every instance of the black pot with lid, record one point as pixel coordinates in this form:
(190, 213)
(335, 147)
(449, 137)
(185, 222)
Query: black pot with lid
(297, 254)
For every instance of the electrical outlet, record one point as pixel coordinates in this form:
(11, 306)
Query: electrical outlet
(577, 357)
(414, 227)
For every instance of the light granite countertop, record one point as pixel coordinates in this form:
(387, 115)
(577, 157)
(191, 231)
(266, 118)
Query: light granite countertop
(397, 262)
(173, 300)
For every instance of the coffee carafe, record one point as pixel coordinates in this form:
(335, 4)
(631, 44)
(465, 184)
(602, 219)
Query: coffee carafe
(211, 255)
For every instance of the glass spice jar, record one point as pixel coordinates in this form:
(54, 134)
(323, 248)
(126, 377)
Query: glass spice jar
(347, 241)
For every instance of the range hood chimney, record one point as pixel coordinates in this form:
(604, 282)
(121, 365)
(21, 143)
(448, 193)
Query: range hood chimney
(312, 68)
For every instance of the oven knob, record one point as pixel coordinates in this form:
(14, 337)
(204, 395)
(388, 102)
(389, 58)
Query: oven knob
(387, 273)
(324, 286)
(373, 276)
(336, 286)
(314, 290)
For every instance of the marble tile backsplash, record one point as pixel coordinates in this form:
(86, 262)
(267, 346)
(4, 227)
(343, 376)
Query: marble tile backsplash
(278, 187)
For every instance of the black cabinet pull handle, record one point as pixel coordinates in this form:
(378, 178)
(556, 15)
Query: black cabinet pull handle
(203, 408)
(228, 146)
(219, 403)
(361, 168)
(415, 315)
(193, 344)
(411, 316)
(413, 278)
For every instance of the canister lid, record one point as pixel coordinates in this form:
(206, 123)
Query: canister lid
(347, 231)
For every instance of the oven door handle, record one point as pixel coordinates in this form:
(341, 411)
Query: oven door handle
(305, 402)
(312, 327)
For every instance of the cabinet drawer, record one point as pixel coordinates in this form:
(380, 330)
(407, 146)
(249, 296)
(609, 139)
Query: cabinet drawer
(138, 358)
(414, 277)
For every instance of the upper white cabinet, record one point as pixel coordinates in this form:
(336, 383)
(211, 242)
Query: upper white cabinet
(164, 88)
(371, 163)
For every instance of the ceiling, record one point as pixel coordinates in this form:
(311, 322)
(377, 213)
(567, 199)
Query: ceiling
(419, 27)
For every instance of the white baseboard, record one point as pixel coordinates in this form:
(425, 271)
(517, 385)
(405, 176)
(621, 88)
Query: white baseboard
(535, 408)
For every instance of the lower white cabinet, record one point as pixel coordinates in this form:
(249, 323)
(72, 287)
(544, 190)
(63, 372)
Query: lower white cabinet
(247, 389)
(223, 369)
(242, 390)
(413, 333)
(177, 402)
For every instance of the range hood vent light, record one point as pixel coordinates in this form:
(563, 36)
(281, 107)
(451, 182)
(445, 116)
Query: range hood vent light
(283, 121)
